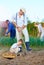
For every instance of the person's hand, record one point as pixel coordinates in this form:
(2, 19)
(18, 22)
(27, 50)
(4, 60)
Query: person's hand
(19, 29)
(35, 25)
(23, 27)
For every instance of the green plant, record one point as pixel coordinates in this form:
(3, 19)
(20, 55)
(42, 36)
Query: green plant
(34, 42)
(6, 41)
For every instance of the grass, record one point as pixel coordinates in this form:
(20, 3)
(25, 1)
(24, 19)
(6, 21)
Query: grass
(6, 41)
(35, 43)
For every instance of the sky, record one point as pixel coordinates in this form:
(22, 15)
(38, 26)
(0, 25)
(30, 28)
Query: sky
(34, 9)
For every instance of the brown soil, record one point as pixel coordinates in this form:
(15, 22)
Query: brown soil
(28, 58)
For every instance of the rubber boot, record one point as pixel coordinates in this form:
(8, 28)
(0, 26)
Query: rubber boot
(27, 46)
(20, 49)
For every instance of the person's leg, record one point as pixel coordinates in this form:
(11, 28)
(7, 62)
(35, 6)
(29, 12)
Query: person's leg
(27, 42)
(20, 49)
(12, 50)
(13, 33)
(42, 37)
(19, 36)
(15, 50)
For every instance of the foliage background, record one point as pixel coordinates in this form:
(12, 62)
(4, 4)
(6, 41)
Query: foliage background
(32, 30)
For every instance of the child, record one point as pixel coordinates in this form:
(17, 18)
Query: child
(15, 48)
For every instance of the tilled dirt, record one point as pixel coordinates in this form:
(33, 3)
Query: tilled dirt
(28, 58)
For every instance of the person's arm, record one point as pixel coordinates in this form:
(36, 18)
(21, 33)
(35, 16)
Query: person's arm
(18, 28)
(14, 20)
(24, 26)
(14, 23)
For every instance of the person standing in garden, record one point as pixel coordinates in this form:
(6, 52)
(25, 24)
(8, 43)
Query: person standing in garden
(20, 22)
(39, 26)
(11, 29)
(41, 31)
